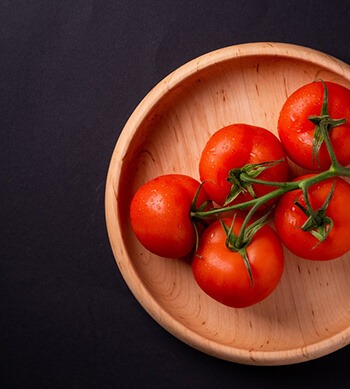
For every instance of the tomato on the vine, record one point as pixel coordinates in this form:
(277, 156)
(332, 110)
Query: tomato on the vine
(289, 218)
(222, 273)
(297, 131)
(160, 214)
(238, 146)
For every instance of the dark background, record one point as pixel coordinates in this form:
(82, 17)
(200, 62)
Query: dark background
(71, 73)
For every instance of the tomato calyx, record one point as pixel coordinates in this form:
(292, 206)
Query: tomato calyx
(317, 223)
(242, 179)
(239, 243)
(324, 124)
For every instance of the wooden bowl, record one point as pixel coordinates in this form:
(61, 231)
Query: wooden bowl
(308, 315)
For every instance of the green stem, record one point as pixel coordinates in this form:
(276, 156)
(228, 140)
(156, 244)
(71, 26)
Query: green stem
(334, 161)
(324, 124)
(245, 178)
(335, 170)
(304, 186)
(247, 219)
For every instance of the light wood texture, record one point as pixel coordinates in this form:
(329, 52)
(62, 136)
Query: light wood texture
(308, 315)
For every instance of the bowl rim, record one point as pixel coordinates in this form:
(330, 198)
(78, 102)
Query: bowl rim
(138, 289)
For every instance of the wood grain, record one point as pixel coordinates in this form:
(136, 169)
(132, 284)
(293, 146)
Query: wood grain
(308, 315)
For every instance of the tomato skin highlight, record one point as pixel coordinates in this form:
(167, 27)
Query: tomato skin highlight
(288, 219)
(296, 131)
(235, 146)
(160, 214)
(222, 274)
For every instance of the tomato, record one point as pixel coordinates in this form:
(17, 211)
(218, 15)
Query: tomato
(233, 147)
(222, 273)
(289, 219)
(296, 131)
(160, 214)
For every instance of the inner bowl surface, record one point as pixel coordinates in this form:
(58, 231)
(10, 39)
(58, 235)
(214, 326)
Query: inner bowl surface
(308, 315)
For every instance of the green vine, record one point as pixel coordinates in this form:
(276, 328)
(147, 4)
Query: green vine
(318, 223)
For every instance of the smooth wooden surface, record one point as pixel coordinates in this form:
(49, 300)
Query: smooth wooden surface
(308, 315)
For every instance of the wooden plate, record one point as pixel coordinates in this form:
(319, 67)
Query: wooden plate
(308, 315)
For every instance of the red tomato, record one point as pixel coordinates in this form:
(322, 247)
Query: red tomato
(222, 273)
(160, 214)
(296, 131)
(235, 146)
(289, 219)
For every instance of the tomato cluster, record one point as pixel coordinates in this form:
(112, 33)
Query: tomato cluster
(221, 220)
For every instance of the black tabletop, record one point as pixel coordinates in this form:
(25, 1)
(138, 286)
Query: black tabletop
(71, 74)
